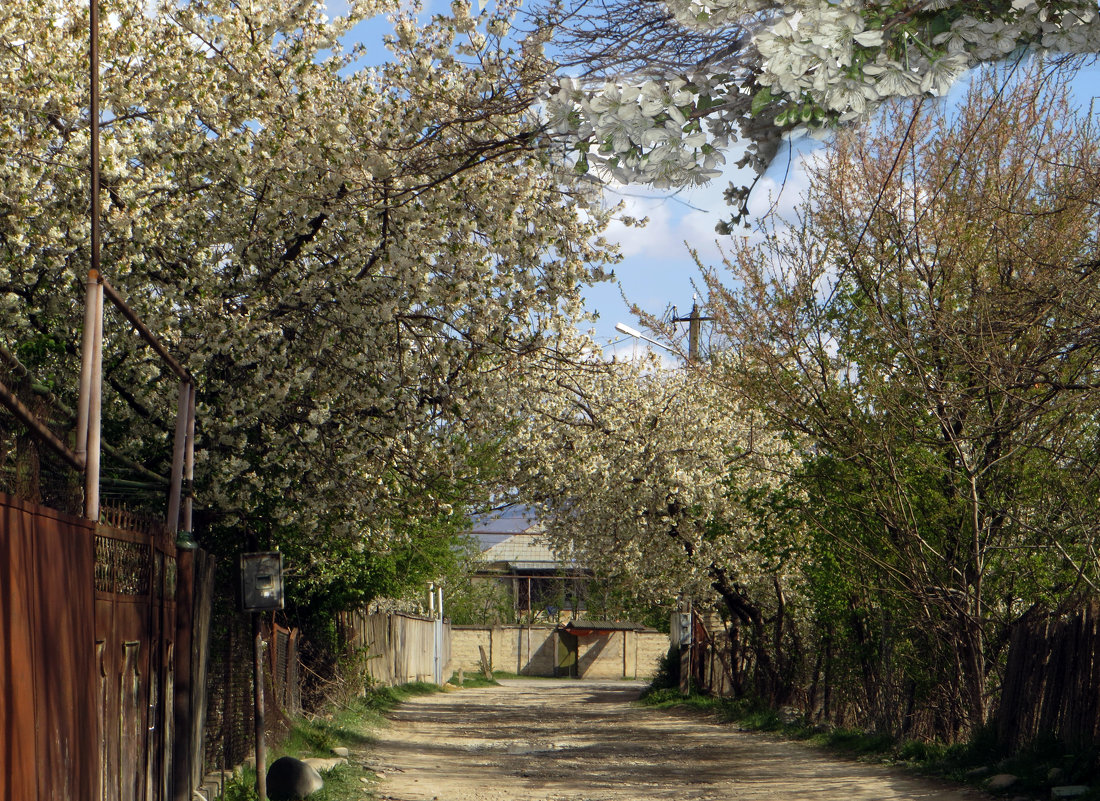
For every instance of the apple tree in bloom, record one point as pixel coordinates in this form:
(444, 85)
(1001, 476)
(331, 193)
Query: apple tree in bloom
(658, 478)
(343, 255)
(658, 91)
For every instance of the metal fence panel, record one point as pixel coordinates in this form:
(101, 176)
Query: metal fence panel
(47, 685)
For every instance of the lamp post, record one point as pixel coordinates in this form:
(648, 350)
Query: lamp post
(622, 328)
(694, 321)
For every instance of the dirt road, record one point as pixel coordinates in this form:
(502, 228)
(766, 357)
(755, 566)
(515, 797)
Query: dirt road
(542, 740)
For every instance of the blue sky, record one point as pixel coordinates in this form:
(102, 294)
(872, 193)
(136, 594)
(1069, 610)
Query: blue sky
(656, 270)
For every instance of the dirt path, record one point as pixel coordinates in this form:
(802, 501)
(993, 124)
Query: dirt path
(532, 740)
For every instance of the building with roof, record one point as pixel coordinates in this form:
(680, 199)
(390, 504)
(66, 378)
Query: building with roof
(515, 553)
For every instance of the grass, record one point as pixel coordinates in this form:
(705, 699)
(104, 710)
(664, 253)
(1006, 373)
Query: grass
(972, 762)
(473, 680)
(351, 726)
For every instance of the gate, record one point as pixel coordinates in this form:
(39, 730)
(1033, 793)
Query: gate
(135, 609)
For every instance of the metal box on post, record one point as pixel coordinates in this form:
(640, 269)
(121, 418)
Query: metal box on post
(261, 581)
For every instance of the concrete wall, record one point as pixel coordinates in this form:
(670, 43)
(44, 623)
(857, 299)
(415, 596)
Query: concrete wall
(652, 648)
(533, 651)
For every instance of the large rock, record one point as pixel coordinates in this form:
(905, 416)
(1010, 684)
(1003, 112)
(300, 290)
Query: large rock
(1000, 782)
(325, 764)
(290, 779)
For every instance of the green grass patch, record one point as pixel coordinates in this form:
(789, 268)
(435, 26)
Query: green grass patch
(473, 680)
(351, 726)
(1044, 764)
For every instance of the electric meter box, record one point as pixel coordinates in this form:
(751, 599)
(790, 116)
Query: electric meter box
(684, 628)
(261, 581)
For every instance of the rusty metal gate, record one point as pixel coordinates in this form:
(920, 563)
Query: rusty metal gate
(87, 656)
(48, 742)
(135, 607)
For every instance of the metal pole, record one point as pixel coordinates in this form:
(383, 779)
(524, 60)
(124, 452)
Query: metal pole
(178, 451)
(258, 667)
(189, 462)
(143, 330)
(95, 389)
(28, 418)
(95, 410)
(93, 113)
(86, 342)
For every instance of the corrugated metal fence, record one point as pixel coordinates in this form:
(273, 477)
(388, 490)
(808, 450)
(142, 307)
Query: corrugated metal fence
(400, 648)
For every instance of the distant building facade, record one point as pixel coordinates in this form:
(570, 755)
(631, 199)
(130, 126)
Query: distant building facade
(516, 554)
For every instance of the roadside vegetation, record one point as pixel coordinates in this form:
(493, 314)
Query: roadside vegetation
(350, 725)
(1043, 764)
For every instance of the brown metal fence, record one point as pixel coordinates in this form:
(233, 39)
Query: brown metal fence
(48, 745)
(89, 637)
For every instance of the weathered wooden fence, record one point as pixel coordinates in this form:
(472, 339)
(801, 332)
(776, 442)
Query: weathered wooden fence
(1052, 681)
(400, 647)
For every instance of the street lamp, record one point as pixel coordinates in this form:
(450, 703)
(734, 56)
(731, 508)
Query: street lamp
(622, 328)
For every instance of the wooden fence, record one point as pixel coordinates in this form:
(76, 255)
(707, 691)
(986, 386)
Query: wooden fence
(400, 648)
(1052, 681)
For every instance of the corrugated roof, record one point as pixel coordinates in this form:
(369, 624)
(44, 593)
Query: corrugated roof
(491, 529)
(600, 625)
(527, 551)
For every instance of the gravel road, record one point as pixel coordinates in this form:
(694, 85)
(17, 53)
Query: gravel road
(543, 740)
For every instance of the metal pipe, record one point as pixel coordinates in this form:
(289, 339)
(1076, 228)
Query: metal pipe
(178, 451)
(93, 114)
(31, 421)
(95, 411)
(86, 343)
(144, 332)
(258, 696)
(189, 460)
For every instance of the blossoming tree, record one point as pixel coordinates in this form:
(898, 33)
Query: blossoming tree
(706, 73)
(656, 477)
(343, 255)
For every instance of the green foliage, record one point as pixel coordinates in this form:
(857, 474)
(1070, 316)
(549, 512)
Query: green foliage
(668, 674)
(475, 600)
(473, 679)
(242, 787)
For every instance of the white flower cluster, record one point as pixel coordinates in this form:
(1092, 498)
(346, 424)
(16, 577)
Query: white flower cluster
(328, 248)
(651, 129)
(642, 473)
(821, 63)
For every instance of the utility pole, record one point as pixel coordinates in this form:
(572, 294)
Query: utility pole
(694, 321)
